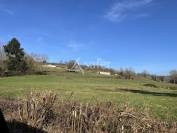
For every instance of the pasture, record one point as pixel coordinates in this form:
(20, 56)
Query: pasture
(160, 100)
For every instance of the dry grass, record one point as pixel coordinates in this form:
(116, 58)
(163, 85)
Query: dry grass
(43, 111)
(36, 109)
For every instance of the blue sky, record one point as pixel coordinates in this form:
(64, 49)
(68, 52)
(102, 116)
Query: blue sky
(138, 34)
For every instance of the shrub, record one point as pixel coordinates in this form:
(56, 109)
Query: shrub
(151, 85)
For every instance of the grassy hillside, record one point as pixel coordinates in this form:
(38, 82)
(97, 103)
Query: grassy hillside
(160, 100)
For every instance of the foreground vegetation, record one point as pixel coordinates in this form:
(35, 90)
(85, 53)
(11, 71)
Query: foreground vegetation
(45, 112)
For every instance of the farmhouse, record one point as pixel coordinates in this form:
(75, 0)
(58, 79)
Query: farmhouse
(49, 66)
(105, 73)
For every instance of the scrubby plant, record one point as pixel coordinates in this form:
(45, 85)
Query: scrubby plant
(36, 109)
(69, 116)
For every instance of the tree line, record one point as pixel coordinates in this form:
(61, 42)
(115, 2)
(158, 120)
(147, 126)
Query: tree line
(14, 60)
(127, 73)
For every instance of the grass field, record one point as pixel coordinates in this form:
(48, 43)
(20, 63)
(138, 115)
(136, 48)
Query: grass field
(160, 101)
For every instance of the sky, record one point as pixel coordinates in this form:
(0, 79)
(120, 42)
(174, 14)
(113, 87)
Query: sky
(137, 34)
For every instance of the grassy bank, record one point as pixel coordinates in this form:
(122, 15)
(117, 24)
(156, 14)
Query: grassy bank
(161, 100)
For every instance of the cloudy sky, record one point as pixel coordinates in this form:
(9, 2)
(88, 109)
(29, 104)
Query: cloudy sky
(138, 34)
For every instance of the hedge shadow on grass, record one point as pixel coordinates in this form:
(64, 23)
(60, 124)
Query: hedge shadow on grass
(149, 92)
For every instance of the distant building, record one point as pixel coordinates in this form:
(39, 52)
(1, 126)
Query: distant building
(49, 66)
(105, 73)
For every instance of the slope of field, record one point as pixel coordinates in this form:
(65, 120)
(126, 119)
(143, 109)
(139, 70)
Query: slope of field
(161, 100)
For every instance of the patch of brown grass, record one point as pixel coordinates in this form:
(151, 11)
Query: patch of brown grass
(36, 109)
(43, 111)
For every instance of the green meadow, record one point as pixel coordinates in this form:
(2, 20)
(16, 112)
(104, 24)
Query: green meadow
(160, 101)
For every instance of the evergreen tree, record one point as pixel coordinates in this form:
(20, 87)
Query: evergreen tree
(15, 54)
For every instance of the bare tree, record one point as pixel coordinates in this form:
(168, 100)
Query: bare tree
(2, 57)
(129, 74)
(145, 74)
(41, 58)
(173, 76)
(70, 64)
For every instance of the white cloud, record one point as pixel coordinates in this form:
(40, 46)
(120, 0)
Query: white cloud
(6, 10)
(74, 45)
(127, 8)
